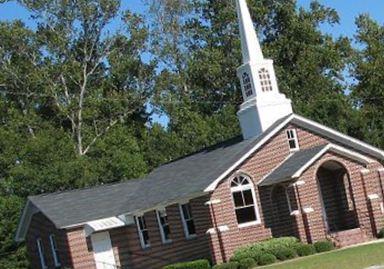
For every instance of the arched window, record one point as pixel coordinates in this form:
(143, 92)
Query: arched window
(265, 80)
(244, 199)
(247, 85)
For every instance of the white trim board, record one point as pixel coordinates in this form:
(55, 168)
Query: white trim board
(29, 210)
(214, 184)
(333, 148)
(329, 148)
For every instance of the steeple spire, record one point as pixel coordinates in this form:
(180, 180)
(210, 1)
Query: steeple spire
(250, 45)
(263, 103)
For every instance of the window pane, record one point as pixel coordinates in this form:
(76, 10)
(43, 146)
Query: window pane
(248, 197)
(292, 144)
(186, 211)
(163, 220)
(191, 227)
(246, 214)
(145, 237)
(40, 248)
(167, 232)
(141, 223)
(238, 199)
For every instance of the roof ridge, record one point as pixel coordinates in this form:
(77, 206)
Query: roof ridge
(86, 188)
(211, 147)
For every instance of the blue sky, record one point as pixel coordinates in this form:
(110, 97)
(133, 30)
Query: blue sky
(347, 9)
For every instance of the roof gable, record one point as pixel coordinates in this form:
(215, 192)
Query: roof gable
(296, 164)
(310, 125)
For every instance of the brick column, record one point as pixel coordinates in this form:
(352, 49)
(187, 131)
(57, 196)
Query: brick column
(368, 221)
(378, 204)
(215, 235)
(301, 216)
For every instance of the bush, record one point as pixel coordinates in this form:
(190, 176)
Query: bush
(266, 258)
(243, 253)
(381, 233)
(305, 250)
(284, 253)
(272, 246)
(198, 264)
(247, 263)
(229, 265)
(323, 246)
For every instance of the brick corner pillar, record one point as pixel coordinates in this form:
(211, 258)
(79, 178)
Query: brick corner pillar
(218, 253)
(297, 217)
(216, 234)
(370, 198)
(302, 215)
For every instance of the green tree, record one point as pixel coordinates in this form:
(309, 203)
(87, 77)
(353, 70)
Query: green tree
(310, 65)
(72, 96)
(87, 79)
(368, 71)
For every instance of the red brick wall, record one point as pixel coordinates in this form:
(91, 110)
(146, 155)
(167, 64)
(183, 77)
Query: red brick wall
(80, 249)
(180, 249)
(76, 250)
(41, 227)
(309, 227)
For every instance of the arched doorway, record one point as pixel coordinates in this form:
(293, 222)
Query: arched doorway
(339, 208)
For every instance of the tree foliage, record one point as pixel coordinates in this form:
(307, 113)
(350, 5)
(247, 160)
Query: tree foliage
(368, 90)
(76, 91)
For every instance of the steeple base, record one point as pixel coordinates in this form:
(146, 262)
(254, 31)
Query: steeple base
(257, 115)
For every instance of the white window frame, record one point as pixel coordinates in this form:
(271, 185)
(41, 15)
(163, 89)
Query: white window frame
(55, 250)
(161, 226)
(140, 231)
(292, 136)
(184, 221)
(40, 249)
(242, 188)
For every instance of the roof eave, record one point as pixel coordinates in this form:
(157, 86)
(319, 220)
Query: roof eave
(25, 220)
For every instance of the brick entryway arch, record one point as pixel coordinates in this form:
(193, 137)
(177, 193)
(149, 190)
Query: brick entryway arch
(338, 203)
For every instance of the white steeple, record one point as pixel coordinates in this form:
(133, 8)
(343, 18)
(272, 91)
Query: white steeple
(250, 46)
(263, 103)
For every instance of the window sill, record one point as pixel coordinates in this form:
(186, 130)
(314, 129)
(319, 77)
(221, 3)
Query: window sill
(249, 224)
(167, 242)
(146, 247)
(191, 237)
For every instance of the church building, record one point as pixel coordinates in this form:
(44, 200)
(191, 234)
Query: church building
(286, 176)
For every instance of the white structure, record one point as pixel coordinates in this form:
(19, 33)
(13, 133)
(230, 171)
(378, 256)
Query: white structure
(263, 103)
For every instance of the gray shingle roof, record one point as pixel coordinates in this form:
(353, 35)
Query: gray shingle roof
(179, 179)
(285, 171)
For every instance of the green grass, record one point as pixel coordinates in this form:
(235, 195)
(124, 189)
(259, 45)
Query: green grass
(350, 258)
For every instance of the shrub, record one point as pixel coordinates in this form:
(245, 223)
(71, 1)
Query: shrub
(229, 265)
(247, 263)
(272, 246)
(305, 250)
(198, 264)
(266, 258)
(381, 233)
(284, 253)
(243, 253)
(323, 246)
